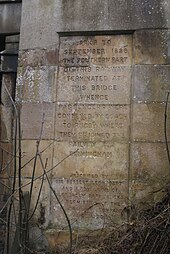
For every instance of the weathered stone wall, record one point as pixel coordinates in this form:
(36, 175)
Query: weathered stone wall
(115, 166)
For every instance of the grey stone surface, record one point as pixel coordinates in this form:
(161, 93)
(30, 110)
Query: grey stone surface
(50, 17)
(32, 115)
(39, 57)
(10, 18)
(152, 46)
(148, 122)
(36, 84)
(92, 123)
(91, 203)
(41, 243)
(151, 83)
(95, 69)
(150, 162)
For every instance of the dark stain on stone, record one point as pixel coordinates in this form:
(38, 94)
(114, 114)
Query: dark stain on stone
(151, 45)
(52, 57)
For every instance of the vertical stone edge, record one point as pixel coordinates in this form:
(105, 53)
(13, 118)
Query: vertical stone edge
(130, 178)
(54, 117)
(141, 190)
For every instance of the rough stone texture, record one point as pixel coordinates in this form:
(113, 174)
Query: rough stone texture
(10, 17)
(32, 117)
(41, 241)
(95, 176)
(42, 214)
(80, 15)
(97, 129)
(150, 163)
(36, 84)
(92, 122)
(151, 83)
(29, 152)
(94, 160)
(152, 47)
(97, 202)
(144, 195)
(38, 57)
(148, 122)
(99, 67)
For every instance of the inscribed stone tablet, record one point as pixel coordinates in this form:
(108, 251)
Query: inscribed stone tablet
(95, 69)
(92, 122)
(93, 119)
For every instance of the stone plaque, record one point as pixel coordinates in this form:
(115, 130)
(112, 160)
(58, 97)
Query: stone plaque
(93, 119)
(95, 69)
(92, 122)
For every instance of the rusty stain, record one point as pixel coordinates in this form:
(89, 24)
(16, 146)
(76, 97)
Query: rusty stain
(52, 57)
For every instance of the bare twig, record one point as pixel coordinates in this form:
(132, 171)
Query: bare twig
(15, 170)
(165, 126)
(62, 207)
(39, 193)
(35, 179)
(42, 151)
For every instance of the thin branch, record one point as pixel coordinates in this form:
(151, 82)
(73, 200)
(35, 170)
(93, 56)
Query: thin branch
(34, 156)
(5, 185)
(8, 151)
(15, 171)
(64, 211)
(35, 160)
(35, 179)
(38, 195)
(165, 126)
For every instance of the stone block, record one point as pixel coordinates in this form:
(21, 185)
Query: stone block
(29, 148)
(89, 203)
(32, 115)
(92, 122)
(36, 84)
(91, 183)
(152, 47)
(39, 28)
(150, 163)
(151, 83)
(148, 122)
(38, 57)
(41, 215)
(95, 69)
(144, 196)
(91, 160)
